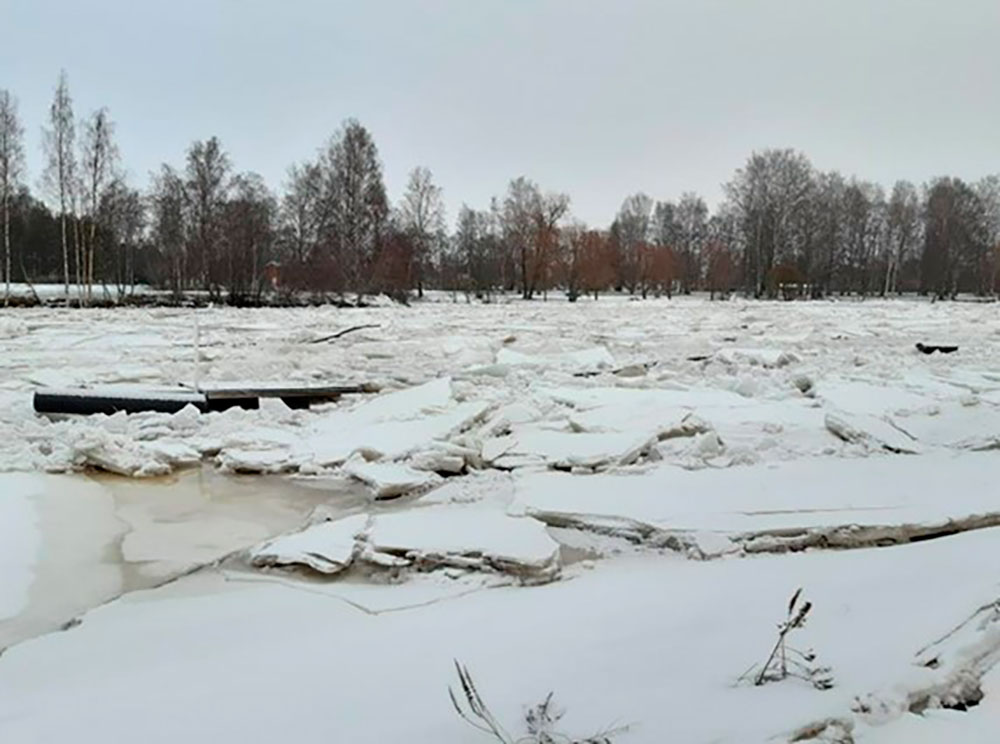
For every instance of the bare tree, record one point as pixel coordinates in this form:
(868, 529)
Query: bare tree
(766, 193)
(520, 206)
(301, 212)
(692, 228)
(421, 215)
(60, 165)
(11, 171)
(122, 218)
(248, 237)
(477, 247)
(98, 158)
(169, 225)
(988, 190)
(206, 189)
(955, 237)
(355, 209)
(633, 229)
(552, 208)
(903, 223)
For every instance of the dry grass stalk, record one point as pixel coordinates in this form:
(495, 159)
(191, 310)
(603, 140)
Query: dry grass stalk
(785, 661)
(540, 720)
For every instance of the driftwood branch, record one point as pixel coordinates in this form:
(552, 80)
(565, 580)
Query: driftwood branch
(27, 280)
(343, 332)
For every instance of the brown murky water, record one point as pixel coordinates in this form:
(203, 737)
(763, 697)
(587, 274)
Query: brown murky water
(104, 535)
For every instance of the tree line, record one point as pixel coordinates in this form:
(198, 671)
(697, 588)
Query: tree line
(784, 228)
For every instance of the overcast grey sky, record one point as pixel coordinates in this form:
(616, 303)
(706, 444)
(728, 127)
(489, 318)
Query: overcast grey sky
(598, 99)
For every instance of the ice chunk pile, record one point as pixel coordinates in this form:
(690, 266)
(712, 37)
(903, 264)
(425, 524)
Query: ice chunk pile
(391, 426)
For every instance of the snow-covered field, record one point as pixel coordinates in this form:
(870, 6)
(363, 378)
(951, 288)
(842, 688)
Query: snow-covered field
(613, 500)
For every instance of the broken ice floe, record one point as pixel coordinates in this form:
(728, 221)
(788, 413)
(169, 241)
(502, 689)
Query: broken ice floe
(239, 460)
(468, 538)
(788, 506)
(565, 449)
(871, 431)
(443, 536)
(328, 547)
(390, 479)
(770, 358)
(390, 426)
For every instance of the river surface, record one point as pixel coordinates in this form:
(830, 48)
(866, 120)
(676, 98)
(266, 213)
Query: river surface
(100, 536)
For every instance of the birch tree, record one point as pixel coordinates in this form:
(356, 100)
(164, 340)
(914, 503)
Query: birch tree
(98, 159)
(904, 224)
(60, 165)
(301, 213)
(421, 216)
(11, 172)
(169, 225)
(208, 173)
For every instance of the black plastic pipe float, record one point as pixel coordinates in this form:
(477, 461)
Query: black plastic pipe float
(931, 348)
(86, 401)
(170, 400)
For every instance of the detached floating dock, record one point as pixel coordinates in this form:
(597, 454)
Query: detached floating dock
(213, 397)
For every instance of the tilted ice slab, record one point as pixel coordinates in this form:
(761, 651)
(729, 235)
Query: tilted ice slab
(921, 411)
(389, 479)
(787, 427)
(328, 547)
(528, 445)
(969, 423)
(872, 397)
(803, 503)
(586, 398)
(871, 431)
(652, 413)
(390, 426)
(468, 537)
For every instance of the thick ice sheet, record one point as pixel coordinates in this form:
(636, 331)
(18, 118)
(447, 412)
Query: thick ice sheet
(327, 547)
(646, 640)
(800, 495)
(463, 530)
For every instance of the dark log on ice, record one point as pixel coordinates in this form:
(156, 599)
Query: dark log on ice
(108, 401)
(83, 401)
(931, 348)
(343, 332)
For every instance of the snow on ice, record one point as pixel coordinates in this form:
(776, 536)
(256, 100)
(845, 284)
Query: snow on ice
(592, 449)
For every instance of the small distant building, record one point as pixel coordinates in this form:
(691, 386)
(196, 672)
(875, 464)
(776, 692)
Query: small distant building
(272, 274)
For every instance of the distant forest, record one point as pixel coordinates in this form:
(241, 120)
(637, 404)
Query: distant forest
(784, 229)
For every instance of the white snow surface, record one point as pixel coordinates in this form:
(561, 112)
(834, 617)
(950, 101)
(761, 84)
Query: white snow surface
(600, 445)
(652, 641)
